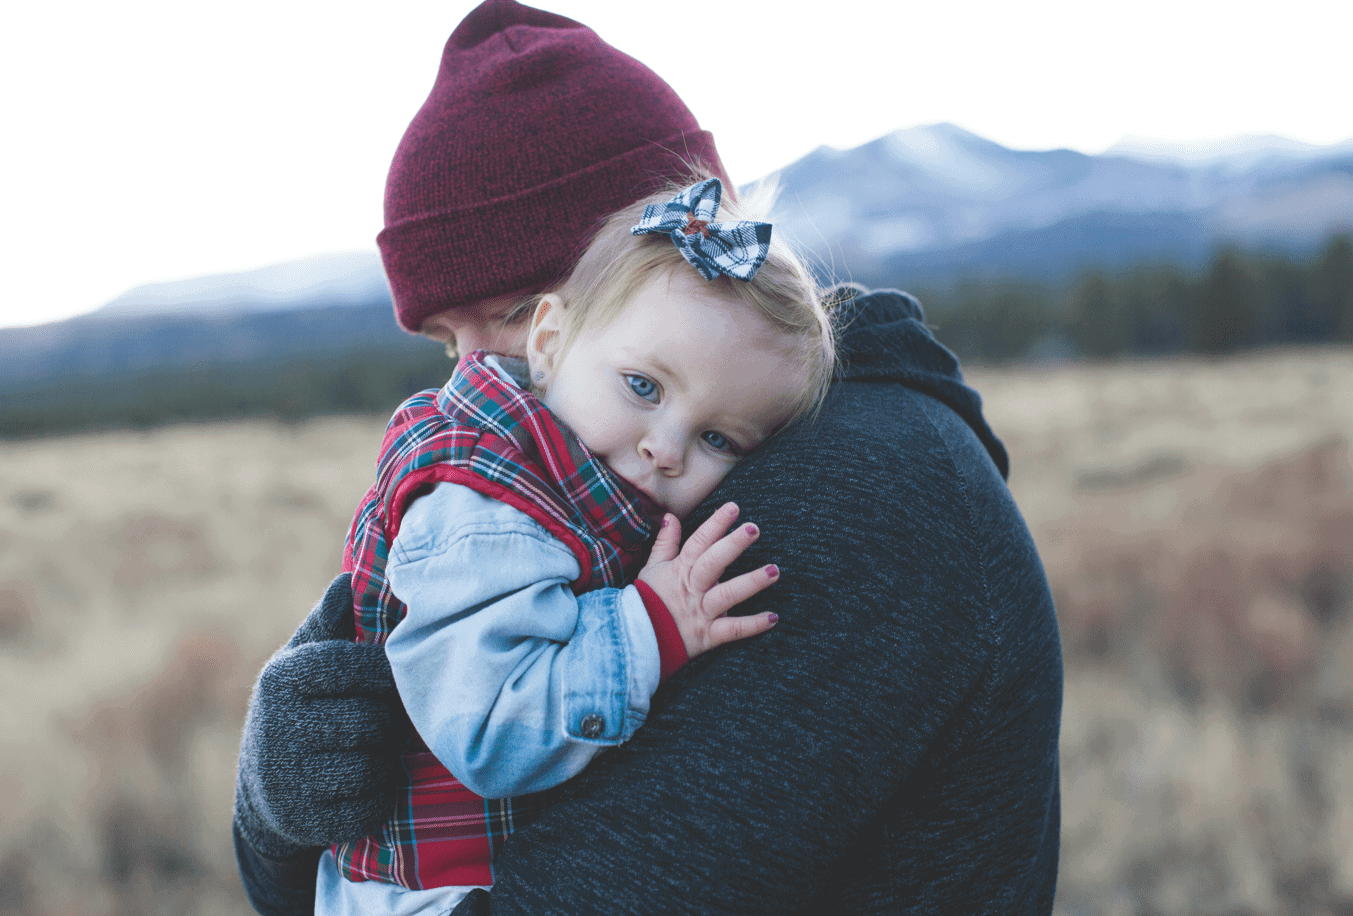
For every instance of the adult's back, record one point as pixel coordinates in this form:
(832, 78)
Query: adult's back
(891, 747)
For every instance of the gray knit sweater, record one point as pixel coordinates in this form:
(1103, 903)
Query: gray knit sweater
(890, 747)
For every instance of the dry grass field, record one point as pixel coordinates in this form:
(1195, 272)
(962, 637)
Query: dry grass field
(1196, 520)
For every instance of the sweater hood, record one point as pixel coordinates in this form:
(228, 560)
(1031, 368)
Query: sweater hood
(882, 337)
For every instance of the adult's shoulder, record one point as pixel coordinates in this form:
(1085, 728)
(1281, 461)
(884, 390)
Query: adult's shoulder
(900, 431)
(891, 472)
(896, 491)
(882, 339)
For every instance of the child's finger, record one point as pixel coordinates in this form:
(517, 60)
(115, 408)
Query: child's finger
(726, 595)
(709, 566)
(668, 542)
(728, 629)
(712, 529)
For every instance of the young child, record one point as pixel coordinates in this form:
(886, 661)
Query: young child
(513, 506)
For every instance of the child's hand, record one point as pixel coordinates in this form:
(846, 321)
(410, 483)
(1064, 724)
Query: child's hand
(688, 582)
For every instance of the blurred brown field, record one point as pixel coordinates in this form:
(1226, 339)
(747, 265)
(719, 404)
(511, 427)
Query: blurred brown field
(1195, 518)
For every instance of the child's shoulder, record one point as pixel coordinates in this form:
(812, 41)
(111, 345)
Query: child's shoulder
(450, 512)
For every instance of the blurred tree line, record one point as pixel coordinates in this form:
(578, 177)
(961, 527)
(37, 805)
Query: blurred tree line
(286, 389)
(1240, 301)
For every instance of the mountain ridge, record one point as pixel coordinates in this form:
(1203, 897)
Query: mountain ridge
(324, 280)
(923, 195)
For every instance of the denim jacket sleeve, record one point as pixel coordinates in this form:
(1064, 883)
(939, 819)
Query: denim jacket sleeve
(514, 682)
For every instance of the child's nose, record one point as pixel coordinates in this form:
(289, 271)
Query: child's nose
(664, 452)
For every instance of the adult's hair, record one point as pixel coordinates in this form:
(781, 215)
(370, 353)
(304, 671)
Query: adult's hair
(535, 130)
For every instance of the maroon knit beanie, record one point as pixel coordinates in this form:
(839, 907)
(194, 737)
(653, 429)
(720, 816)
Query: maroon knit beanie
(535, 130)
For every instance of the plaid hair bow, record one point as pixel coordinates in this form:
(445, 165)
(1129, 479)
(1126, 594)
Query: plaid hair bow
(736, 248)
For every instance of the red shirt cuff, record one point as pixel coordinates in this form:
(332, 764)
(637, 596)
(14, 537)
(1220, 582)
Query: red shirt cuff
(671, 649)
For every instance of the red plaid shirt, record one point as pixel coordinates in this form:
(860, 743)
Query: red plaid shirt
(501, 441)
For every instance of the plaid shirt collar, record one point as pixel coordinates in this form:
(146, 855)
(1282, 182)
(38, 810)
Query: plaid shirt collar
(478, 396)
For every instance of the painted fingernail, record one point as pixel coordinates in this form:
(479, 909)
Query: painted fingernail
(666, 520)
(750, 529)
(772, 570)
(773, 618)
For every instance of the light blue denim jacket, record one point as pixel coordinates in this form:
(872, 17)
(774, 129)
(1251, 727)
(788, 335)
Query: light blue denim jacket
(498, 663)
(502, 668)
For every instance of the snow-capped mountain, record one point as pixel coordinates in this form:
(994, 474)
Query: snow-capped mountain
(1233, 153)
(941, 203)
(343, 279)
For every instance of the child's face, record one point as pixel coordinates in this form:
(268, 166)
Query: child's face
(674, 391)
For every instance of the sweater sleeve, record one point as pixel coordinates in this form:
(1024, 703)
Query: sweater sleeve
(276, 886)
(514, 682)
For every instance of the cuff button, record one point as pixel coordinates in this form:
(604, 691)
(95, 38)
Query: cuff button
(592, 726)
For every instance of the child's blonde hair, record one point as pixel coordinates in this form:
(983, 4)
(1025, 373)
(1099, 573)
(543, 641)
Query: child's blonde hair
(617, 264)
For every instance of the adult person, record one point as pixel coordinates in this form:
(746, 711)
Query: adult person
(891, 747)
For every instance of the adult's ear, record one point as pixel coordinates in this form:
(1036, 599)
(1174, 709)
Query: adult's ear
(545, 339)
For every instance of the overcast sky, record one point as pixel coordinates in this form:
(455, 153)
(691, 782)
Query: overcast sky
(152, 140)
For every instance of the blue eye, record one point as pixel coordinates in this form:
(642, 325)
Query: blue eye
(718, 441)
(643, 387)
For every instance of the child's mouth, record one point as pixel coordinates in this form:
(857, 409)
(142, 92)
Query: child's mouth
(647, 504)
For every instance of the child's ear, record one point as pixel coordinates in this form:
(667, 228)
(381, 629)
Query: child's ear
(545, 337)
